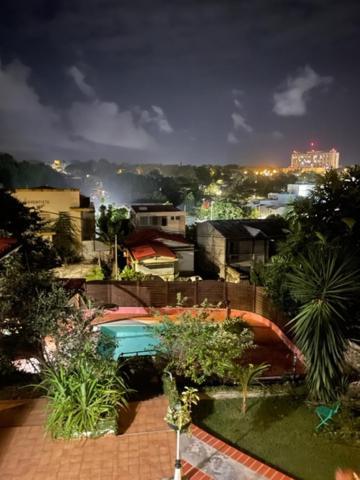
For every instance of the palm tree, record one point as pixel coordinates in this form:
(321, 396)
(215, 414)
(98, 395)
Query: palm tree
(326, 285)
(247, 376)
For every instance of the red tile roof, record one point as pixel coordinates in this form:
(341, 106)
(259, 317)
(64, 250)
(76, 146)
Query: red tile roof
(151, 249)
(145, 235)
(6, 244)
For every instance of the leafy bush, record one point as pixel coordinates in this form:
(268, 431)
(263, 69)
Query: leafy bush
(197, 348)
(95, 274)
(170, 389)
(130, 274)
(84, 395)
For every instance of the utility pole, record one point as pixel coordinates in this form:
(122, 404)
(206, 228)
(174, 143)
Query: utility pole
(116, 258)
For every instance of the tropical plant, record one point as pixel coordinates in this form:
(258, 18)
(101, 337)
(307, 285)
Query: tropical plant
(84, 395)
(179, 414)
(224, 209)
(130, 274)
(247, 376)
(44, 311)
(66, 241)
(326, 285)
(112, 221)
(197, 347)
(170, 388)
(95, 274)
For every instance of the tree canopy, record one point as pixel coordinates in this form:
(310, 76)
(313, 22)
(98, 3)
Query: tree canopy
(197, 347)
(25, 224)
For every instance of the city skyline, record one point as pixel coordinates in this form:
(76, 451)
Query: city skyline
(188, 82)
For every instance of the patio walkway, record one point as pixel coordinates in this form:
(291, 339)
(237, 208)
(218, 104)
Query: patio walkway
(144, 450)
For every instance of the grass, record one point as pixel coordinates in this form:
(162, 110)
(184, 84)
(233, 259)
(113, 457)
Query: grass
(281, 432)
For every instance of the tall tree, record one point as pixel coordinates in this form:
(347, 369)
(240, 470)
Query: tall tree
(112, 221)
(326, 284)
(66, 241)
(25, 225)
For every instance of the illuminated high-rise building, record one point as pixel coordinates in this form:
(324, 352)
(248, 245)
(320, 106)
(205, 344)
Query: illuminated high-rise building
(314, 159)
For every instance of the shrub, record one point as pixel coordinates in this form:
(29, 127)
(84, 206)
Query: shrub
(95, 274)
(130, 274)
(84, 395)
(197, 348)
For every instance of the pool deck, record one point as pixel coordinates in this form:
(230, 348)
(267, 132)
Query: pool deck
(143, 451)
(273, 347)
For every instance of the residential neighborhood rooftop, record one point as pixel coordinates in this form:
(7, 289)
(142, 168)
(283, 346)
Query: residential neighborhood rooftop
(151, 234)
(153, 249)
(156, 207)
(239, 229)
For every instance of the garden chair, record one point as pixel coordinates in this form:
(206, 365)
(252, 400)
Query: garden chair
(326, 413)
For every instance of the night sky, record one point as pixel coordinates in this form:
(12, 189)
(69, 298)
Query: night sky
(179, 81)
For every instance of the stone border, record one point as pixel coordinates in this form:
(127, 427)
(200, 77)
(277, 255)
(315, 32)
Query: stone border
(237, 455)
(193, 473)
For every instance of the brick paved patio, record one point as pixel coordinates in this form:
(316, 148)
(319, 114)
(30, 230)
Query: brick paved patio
(143, 451)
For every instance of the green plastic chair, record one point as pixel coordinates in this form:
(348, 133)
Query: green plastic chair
(326, 413)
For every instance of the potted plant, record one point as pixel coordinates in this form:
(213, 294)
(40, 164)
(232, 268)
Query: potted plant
(178, 415)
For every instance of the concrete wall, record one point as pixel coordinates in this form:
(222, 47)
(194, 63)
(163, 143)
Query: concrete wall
(50, 202)
(175, 221)
(213, 245)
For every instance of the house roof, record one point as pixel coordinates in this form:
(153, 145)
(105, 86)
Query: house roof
(242, 229)
(138, 237)
(151, 249)
(156, 207)
(7, 245)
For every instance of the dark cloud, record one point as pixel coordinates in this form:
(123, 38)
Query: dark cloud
(187, 57)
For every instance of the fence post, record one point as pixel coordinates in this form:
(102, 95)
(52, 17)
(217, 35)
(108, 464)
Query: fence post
(167, 303)
(109, 292)
(225, 293)
(254, 299)
(138, 292)
(196, 293)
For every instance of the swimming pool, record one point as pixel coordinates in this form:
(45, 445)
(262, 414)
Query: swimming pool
(131, 338)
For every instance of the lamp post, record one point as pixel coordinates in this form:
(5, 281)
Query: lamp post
(177, 472)
(178, 417)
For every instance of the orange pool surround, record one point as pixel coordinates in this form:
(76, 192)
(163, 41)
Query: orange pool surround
(273, 346)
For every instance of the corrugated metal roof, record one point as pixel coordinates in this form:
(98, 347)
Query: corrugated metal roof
(242, 229)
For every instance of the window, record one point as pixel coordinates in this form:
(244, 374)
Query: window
(163, 221)
(143, 221)
(177, 218)
(172, 218)
(154, 221)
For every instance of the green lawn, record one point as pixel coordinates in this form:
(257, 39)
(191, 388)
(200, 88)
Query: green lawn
(281, 432)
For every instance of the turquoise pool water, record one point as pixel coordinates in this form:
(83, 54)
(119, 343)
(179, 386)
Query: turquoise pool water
(131, 339)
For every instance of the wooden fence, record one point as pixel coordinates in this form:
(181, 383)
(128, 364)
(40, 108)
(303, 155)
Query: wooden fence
(242, 296)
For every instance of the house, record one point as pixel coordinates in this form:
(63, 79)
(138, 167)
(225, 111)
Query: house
(158, 253)
(50, 202)
(231, 246)
(158, 216)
